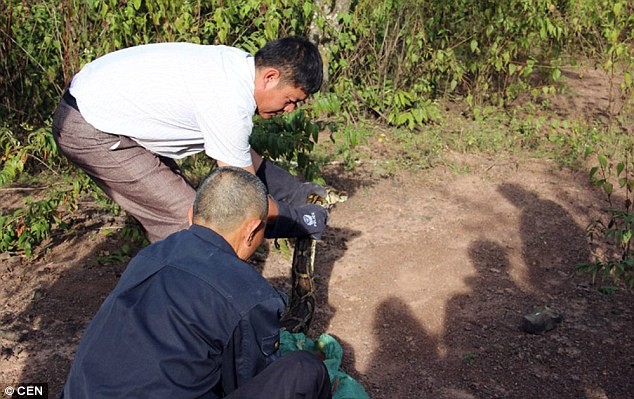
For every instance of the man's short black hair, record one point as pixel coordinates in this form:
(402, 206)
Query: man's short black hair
(297, 59)
(227, 197)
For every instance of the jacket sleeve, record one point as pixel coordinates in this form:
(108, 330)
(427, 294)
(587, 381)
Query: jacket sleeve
(254, 344)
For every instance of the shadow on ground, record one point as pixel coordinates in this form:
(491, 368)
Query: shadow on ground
(482, 352)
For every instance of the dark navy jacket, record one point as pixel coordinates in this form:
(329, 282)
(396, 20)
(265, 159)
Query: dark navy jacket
(188, 319)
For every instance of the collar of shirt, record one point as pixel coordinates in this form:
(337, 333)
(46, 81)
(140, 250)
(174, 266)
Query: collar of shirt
(206, 234)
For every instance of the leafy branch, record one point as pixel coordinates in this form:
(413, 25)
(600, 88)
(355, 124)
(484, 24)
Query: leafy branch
(616, 228)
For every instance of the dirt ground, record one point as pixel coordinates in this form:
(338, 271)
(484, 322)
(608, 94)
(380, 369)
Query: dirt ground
(422, 277)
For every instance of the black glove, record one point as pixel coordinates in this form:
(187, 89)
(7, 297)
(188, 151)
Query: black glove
(285, 187)
(301, 221)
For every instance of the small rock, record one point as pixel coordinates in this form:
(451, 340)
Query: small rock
(540, 321)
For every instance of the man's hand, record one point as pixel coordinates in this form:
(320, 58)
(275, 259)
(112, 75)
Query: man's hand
(302, 192)
(285, 187)
(301, 221)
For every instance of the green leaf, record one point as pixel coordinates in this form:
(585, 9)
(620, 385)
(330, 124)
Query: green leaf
(603, 161)
(307, 8)
(474, 45)
(617, 9)
(556, 74)
(622, 181)
(619, 168)
(608, 188)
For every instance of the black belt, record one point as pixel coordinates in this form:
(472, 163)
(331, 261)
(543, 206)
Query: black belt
(70, 100)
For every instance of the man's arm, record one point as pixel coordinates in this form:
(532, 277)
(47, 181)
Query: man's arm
(289, 215)
(250, 168)
(257, 159)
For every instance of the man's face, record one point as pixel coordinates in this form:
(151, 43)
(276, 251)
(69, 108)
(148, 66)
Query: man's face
(277, 98)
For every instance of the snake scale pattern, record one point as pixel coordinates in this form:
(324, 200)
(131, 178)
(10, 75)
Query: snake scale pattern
(302, 301)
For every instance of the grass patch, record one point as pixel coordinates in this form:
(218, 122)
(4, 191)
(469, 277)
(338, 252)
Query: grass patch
(529, 132)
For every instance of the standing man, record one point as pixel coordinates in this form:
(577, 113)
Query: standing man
(128, 115)
(190, 318)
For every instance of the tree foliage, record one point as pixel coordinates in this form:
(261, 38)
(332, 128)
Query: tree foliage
(386, 60)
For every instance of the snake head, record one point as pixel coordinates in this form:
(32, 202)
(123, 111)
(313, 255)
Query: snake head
(332, 198)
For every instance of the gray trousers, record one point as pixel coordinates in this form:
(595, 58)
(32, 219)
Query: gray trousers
(152, 189)
(296, 375)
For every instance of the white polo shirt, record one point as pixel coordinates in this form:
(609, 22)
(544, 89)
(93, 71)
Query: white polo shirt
(175, 99)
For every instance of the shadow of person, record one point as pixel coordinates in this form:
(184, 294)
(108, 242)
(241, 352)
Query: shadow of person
(479, 325)
(469, 358)
(490, 352)
(552, 242)
(565, 361)
(403, 363)
(330, 248)
(410, 362)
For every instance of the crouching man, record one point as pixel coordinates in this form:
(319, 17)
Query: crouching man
(190, 318)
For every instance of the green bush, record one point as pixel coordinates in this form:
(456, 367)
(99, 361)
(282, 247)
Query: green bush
(388, 60)
(616, 228)
(290, 140)
(37, 151)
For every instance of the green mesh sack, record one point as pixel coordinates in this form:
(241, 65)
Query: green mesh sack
(329, 350)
